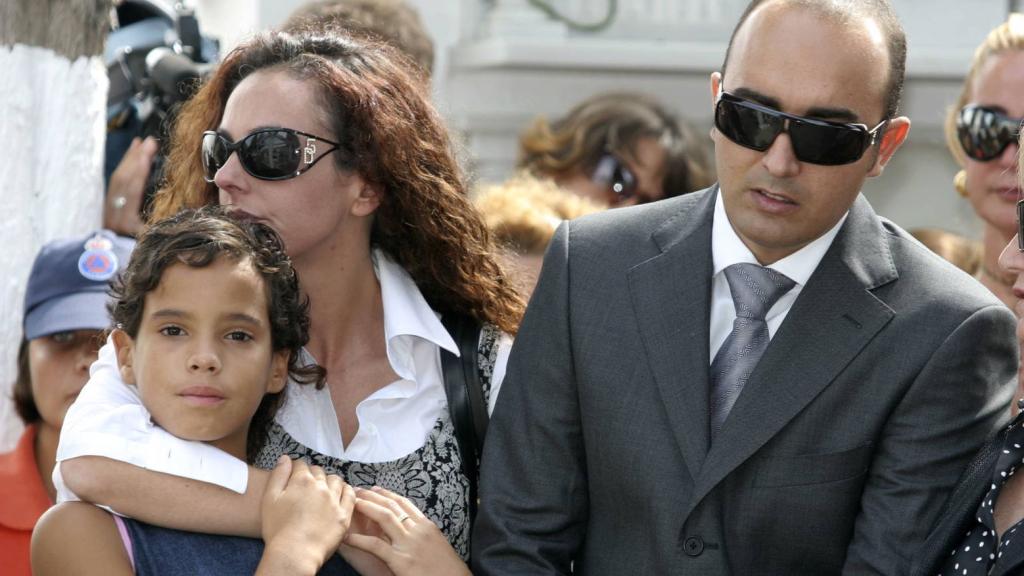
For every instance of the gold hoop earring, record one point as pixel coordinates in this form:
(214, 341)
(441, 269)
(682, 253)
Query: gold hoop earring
(960, 183)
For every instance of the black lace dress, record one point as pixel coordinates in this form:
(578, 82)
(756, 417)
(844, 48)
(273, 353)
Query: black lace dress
(431, 477)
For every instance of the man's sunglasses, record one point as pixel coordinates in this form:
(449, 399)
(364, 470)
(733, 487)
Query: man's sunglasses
(267, 154)
(611, 171)
(984, 133)
(815, 141)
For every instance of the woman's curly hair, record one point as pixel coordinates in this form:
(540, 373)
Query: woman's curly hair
(197, 238)
(390, 134)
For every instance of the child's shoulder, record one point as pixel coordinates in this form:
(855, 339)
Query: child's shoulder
(79, 538)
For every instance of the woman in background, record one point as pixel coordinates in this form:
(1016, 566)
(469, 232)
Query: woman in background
(522, 213)
(617, 149)
(981, 131)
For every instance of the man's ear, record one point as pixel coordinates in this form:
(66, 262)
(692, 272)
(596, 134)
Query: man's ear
(125, 347)
(367, 200)
(278, 371)
(716, 88)
(895, 135)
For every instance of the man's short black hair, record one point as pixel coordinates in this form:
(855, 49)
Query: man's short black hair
(843, 11)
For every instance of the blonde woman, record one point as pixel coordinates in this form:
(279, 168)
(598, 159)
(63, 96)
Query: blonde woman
(522, 213)
(981, 131)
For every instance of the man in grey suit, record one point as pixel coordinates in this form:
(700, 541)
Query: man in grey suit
(674, 407)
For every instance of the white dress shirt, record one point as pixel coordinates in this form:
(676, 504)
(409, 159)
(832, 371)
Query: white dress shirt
(108, 418)
(727, 249)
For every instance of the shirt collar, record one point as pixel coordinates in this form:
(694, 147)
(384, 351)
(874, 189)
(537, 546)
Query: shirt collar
(727, 248)
(406, 312)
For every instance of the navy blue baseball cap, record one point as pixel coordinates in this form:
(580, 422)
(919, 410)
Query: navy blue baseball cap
(67, 289)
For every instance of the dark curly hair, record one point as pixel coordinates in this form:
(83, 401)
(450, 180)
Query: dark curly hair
(391, 135)
(197, 238)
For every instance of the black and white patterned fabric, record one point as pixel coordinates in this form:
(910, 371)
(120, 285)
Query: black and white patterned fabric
(980, 551)
(431, 477)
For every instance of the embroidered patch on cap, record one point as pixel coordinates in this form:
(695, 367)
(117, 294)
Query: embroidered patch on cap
(98, 263)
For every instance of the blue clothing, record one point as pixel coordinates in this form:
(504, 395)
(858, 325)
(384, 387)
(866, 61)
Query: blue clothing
(167, 552)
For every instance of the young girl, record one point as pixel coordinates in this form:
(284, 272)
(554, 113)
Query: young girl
(209, 325)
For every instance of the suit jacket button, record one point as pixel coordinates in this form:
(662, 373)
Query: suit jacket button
(693, 546)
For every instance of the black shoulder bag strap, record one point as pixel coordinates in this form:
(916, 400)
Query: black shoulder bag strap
(465, 398)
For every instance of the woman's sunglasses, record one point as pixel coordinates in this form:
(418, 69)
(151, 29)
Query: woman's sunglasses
(611, 171)
(984, 133)
(815, 141)
(267, 154)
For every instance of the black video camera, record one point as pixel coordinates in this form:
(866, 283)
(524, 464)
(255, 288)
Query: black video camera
(156, 58)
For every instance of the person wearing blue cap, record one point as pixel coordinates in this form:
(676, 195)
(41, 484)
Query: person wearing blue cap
(64, 318)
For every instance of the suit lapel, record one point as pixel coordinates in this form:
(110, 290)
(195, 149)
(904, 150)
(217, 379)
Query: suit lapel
(831, 321)
(670, 294)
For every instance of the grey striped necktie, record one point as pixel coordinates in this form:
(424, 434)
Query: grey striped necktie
(754, 290)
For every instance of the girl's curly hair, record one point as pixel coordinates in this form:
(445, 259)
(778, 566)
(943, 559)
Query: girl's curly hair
(389, 133)
(197, 238)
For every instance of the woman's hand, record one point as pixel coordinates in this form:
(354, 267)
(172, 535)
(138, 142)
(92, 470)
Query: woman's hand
(305, 515)
(407, 542)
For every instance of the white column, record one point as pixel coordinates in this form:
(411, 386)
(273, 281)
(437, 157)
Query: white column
(52, 130)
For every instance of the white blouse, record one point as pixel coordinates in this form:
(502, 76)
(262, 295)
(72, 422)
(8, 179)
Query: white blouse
(108, 418)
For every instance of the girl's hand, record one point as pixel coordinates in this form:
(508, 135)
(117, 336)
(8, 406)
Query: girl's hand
(408, 543)
(305, 515)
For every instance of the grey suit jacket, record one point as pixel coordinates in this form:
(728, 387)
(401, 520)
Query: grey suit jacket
(885, 377)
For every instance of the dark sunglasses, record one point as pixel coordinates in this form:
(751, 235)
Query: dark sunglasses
(611, 171)
(267, 154)
(984, 133)
(815, 141)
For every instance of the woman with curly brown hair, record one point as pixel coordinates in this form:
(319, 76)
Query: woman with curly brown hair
(333, 143)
